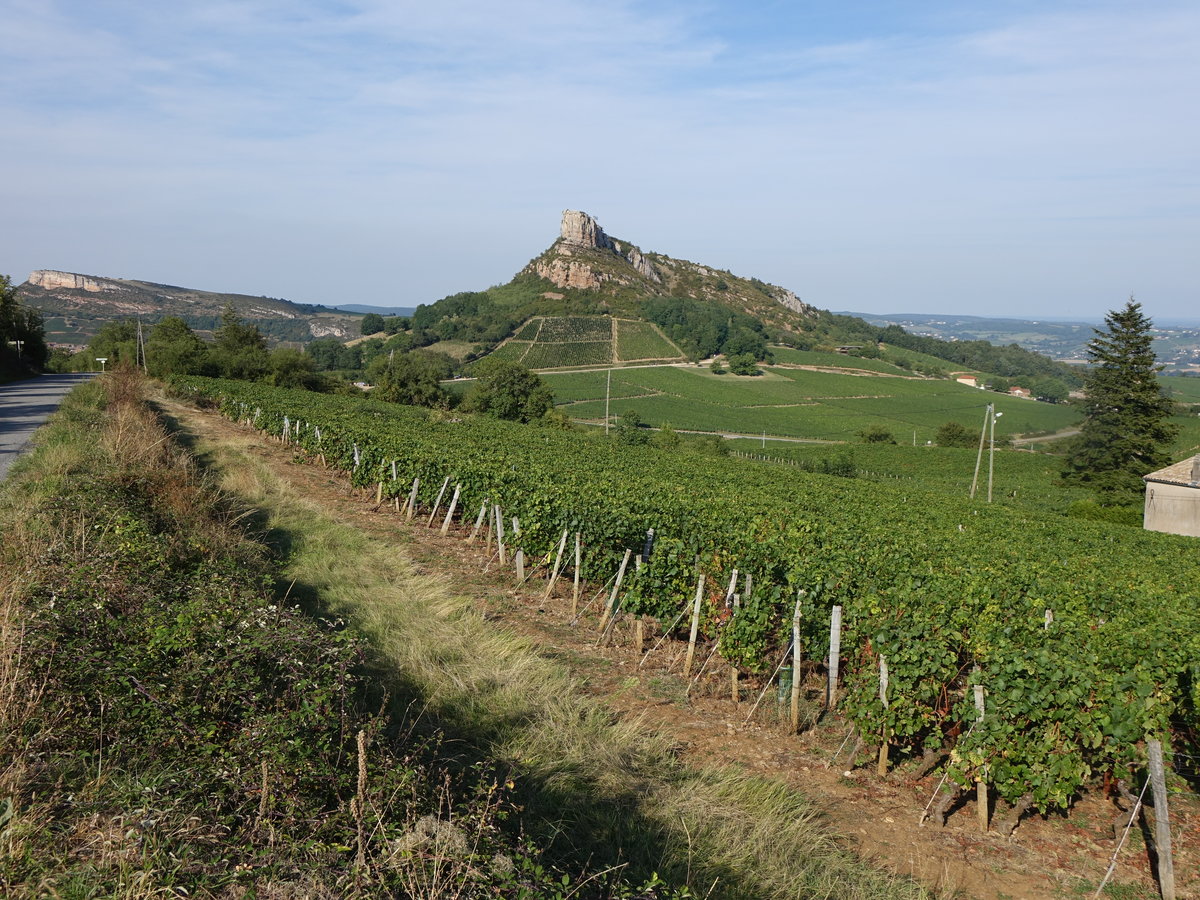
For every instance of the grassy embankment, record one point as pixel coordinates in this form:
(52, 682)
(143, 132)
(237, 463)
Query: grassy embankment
(171, 726)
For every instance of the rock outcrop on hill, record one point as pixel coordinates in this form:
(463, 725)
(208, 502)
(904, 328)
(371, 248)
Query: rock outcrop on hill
(49, 279)
(585, 258)
(76, 306)
(581, 230)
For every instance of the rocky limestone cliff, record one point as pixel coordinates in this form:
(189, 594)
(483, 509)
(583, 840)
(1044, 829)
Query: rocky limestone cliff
(581, 236)
(51, 279)
(586, 258)
(581, 230)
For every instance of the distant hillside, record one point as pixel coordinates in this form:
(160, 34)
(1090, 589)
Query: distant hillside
(378, 310)
(704, 311)
(75, 306)
(1176, 342)
(698, 311)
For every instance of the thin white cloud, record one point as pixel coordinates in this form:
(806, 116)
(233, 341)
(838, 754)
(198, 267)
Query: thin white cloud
(953, 158)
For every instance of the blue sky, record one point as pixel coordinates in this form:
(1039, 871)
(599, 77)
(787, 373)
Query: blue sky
(990, 158)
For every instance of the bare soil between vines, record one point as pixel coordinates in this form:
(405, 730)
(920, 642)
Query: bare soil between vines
(1047, 857)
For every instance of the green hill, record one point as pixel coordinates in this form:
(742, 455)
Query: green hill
(702, 310)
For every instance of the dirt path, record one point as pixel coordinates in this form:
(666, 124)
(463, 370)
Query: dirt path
(1046, 858)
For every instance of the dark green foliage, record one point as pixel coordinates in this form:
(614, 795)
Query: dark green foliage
(372, 323)
(468, 316)
(876, 434)
(629, 430)
(744, 364)
(1130, 514)
(508, 390)
(666, 438)
(289, 367)
(116, 342)
(701, 328)
(1052, 389)
(954, 434)
(1128, 416)
(414, 378)
(22, 339)
(329, 354)
(239, 349)
(174, 349)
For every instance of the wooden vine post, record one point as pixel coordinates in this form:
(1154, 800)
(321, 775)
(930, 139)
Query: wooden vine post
(438, 502)
(520, 553)
(450, 511)
(500, 534)
(478, 522)
(795, 720)
(691, 652)
(610, 607)
(575, 587)
(558, 559)
(981, 791)
(1162, 821)
(412, 498)
(835, 653)
(882, 767)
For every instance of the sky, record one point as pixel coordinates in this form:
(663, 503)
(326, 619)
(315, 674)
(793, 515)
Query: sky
(984, 157)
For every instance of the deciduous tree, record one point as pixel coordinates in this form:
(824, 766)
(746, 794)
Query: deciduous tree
(508, 390)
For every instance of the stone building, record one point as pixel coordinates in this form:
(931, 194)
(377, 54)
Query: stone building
(1173, 498)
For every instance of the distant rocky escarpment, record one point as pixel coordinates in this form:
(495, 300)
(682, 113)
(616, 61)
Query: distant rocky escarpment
(585, 258)
(50, 279)
(75, 306)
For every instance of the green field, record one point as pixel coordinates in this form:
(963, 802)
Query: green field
(796, 403)
(788, 356)
(1185, 389)
(1021, 478)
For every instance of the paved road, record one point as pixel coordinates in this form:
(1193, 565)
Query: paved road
(25, 405)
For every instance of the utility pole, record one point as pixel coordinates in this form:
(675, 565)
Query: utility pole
(992, 451)
(987, 415)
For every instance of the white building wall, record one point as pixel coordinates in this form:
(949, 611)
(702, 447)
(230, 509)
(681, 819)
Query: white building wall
(1173, 508)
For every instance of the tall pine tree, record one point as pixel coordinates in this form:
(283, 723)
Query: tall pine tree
(1127, 427)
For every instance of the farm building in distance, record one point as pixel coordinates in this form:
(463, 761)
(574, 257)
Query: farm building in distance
(1173, 498)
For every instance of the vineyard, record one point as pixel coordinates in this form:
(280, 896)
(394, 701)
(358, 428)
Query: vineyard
(547, 342)
(799, 403)
(1022, 479)
(1085, 639)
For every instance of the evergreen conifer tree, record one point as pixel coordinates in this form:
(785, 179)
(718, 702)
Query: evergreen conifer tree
(1128, 417)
